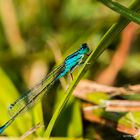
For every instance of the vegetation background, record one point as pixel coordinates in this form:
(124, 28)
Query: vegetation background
(36, 35)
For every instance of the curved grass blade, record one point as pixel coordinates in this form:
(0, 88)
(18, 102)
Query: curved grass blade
(129, 14)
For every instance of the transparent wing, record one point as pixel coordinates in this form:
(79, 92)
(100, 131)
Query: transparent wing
(34, 94)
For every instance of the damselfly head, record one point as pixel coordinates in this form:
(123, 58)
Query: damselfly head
(84, 49)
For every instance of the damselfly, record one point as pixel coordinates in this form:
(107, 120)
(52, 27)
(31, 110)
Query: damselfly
(32, 96)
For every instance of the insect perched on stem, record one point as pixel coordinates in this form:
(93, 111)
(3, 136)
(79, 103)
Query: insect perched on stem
(34, 94)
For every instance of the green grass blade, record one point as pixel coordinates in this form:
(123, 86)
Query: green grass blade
(131, 15)
(8, 94)
(103, 44)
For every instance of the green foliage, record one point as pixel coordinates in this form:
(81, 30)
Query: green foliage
(97, 97)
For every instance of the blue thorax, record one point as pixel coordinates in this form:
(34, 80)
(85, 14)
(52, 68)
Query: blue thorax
(73, 60)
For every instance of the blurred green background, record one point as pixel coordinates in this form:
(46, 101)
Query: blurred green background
(35, 36)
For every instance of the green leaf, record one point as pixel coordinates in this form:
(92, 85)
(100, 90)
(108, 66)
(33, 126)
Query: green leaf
(131, 97)
(9, 94)
(37, 117)
(69, 123)
(97, 97)
(131, 120)
(127, 13)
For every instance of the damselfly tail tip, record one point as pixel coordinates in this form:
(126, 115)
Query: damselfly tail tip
(2, 128)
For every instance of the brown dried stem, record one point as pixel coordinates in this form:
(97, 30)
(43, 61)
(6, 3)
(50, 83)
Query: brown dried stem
(86, 87)
(90, 116)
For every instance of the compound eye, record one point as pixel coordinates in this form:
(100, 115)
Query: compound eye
(84, 46)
